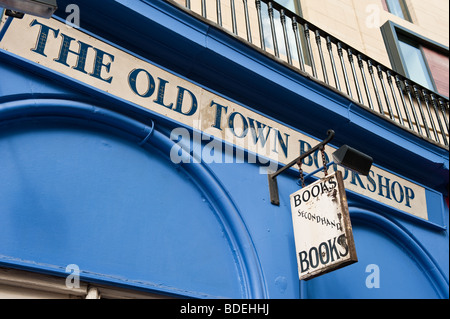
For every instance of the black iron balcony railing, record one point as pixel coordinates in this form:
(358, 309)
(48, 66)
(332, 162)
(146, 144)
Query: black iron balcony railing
(270, 27)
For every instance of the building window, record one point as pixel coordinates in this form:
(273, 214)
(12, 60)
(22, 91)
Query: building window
(419, 59)
(292, 5)
(414, 62)
(438, 64)
(398, 8)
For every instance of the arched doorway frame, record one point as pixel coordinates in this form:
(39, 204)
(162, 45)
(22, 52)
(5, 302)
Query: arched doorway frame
(149, 138)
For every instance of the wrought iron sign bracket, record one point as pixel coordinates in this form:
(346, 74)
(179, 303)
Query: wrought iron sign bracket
(273, 185)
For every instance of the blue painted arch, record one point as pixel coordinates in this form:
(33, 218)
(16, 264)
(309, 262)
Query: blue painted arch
(404, 267)
(33, 121)
(399, 235)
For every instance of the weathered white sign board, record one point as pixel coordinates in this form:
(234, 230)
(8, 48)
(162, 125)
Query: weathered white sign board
(322, 228)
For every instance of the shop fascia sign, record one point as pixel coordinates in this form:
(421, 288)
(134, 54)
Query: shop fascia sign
(73, 54)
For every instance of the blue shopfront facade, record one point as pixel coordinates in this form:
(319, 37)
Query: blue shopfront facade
(115, 157)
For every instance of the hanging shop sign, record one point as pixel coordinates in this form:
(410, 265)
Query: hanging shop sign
(322, 228)
(90, 62)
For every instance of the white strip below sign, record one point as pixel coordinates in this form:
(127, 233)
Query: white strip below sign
(322, 228)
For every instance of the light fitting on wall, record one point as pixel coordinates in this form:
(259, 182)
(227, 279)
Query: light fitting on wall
(18, 8)
(353, 159)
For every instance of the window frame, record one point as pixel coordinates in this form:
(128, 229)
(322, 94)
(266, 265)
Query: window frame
(404, 8)
(391, 32)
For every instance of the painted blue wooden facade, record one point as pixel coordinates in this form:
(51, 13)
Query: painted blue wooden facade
(86, 178)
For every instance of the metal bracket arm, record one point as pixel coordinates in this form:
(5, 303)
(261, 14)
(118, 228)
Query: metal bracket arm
(273, 185)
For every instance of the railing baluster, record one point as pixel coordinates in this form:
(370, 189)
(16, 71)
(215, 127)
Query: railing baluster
(428, 110)
(397, 107)
(366, 87)
(308, 45)
(427, 129)
(333, 65)
(219, 12)
(444, 113)
(438, 117)
(286, 40)
(386, 97)
(247, 22)
(427, 106)
(374, 83)
(355, 78)
(408, 90)
(272, 29)
(402, 96)
(298, 43)
(261, 30)
(233, 18)
(322, 62)
(344, 69)
(204, 8)
(447, 112)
